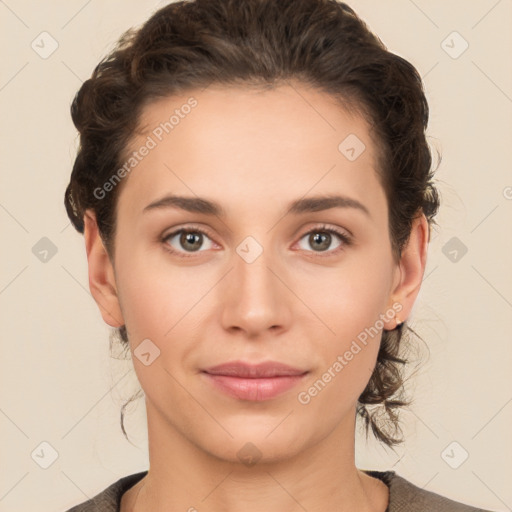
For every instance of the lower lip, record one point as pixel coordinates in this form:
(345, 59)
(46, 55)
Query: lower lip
(254, 389)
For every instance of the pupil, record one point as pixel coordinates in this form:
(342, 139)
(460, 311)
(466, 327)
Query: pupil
(321, 237)
(188, 238)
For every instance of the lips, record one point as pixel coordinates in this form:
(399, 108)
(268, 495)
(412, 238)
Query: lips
(257, 382)
(254, 371)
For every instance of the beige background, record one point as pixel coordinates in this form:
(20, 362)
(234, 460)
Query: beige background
(58, 382)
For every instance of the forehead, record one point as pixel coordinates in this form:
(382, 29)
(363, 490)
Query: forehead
(247, 145)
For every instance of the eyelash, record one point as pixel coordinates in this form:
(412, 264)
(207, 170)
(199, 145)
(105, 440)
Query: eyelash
(345, 239)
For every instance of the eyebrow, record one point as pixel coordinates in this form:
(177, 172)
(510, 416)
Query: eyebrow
(297, 207)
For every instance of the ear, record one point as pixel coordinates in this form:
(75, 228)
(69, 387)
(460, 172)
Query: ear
(411, 268)
(101, 273)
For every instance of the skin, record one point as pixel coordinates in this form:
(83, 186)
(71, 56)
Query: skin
(253, 152)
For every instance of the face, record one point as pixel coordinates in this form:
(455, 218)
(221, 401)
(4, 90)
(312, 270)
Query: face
(267, 272)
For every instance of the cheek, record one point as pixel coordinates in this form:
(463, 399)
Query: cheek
(332, 394)
(351, 297)
(162, 303)
(351, 307)
(346, 358)
(153, 294)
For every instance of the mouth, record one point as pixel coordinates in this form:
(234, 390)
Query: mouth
(251, 382)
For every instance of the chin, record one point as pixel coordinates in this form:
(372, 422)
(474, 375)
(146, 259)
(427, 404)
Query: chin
(252, 443)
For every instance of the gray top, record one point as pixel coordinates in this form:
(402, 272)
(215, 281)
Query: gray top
(404, 496)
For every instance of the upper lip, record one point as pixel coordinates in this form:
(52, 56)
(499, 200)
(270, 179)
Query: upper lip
(254, 371)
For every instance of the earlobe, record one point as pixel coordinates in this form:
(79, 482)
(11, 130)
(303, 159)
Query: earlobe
(411, 268)
(101, 273)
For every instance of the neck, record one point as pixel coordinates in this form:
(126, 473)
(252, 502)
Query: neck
(182, 476)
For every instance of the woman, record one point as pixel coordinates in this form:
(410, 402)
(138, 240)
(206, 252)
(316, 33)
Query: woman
(255, 191)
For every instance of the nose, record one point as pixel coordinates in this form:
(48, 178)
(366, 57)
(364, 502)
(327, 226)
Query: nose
(255, 298)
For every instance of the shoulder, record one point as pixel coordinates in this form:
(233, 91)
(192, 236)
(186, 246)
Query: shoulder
(109, 499)
(404, 496)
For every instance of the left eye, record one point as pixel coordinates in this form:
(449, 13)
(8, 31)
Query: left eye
(321, 239)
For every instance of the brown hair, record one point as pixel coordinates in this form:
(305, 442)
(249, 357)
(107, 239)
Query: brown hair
(320, 43)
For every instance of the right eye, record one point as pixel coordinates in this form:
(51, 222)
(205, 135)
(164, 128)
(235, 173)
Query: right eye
(186, 241)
